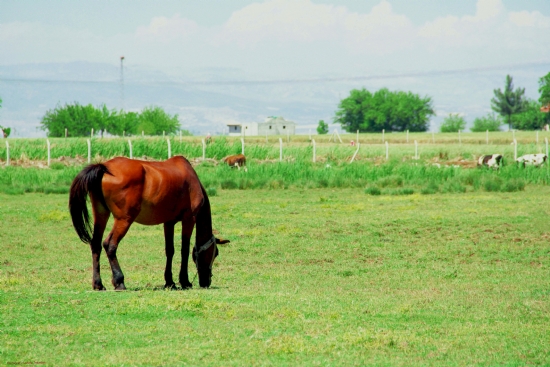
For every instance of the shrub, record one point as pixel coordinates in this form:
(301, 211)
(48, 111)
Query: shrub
(211, 191)
(229, 185)
(489, 122)
(492, 184)
(373, 190)
(514, 185)
(453, 123)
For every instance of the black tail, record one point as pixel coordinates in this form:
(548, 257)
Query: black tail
(88, 180)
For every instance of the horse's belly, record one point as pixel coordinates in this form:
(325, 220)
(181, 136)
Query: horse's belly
(157, 214)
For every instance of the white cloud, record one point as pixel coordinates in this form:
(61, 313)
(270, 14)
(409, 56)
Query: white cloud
(529, 19)
(166, 30)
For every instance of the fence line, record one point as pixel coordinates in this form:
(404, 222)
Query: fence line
(313, 142)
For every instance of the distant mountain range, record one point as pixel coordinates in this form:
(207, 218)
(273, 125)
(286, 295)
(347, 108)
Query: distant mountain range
(208, 99)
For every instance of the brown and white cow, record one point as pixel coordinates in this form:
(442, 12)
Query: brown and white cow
(492, 161)
(535, 160)
(237, 160)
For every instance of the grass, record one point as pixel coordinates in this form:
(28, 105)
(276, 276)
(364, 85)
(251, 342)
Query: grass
(312, 277)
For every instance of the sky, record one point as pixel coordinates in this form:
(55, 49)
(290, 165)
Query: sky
(281, 40)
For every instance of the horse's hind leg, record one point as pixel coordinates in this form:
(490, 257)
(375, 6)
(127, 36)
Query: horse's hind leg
(169, 248)
(120, 228)
(100, 221)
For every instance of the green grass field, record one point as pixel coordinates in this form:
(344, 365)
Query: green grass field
(312, 277)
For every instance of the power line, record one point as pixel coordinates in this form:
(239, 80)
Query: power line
(434, 73)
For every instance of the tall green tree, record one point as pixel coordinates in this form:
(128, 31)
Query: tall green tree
(509, 102)
(531, 118)
(384, 109)
(322, 128)
(154, 121)
(544, 89)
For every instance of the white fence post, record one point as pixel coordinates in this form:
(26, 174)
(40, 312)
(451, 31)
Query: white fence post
(415, 149)
(92, 133)
(48, 144)
(387, 151)
(513, 134)
(142, 133)
(203, 150)
(130, 146)
(169, 148)
(242, 146)
(313, 142)
(280, 149)
(407, 136)
(65, 133)
(89, 150)
(487, 137)
(515, 149)
(354, 154)
(383, 139)
(7, 153)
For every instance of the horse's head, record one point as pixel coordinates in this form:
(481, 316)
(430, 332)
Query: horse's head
(203, 257)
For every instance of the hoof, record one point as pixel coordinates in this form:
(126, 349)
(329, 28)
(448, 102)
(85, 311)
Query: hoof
(98, 286)
(186, 285)
(120, 287)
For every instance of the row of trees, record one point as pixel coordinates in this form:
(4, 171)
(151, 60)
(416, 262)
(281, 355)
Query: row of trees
(79, 120)
(400, 111)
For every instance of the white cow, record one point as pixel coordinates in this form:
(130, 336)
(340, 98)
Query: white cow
(536, 160)
(492, 161)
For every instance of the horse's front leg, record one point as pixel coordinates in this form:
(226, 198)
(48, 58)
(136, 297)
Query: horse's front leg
(187, 225)
(169, 248)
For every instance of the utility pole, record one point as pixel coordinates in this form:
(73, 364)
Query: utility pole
(122, 82)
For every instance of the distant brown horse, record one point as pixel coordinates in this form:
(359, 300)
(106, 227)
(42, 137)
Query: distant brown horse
(147, 193)
(237, 160)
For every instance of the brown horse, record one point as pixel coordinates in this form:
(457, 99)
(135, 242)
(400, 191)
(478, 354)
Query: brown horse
(147, 193)
(237, 160)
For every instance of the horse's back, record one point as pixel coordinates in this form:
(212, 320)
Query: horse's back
(152, 192)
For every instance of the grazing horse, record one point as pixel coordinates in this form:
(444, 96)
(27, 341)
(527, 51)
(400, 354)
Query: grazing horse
(492, 161)
(536, 160)
(237, 160)
(147, 193)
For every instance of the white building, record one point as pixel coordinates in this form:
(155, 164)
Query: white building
(273, 125)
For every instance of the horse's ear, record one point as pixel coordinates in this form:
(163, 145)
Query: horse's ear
(221, 241)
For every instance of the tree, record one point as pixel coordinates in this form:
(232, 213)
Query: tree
(80, 120)
(322, 128)
(544, 89)
(508, 102)
(453, 123)
(154, 121)
(531, 118)
(77, 119)
(384, 109)
(489, 122)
